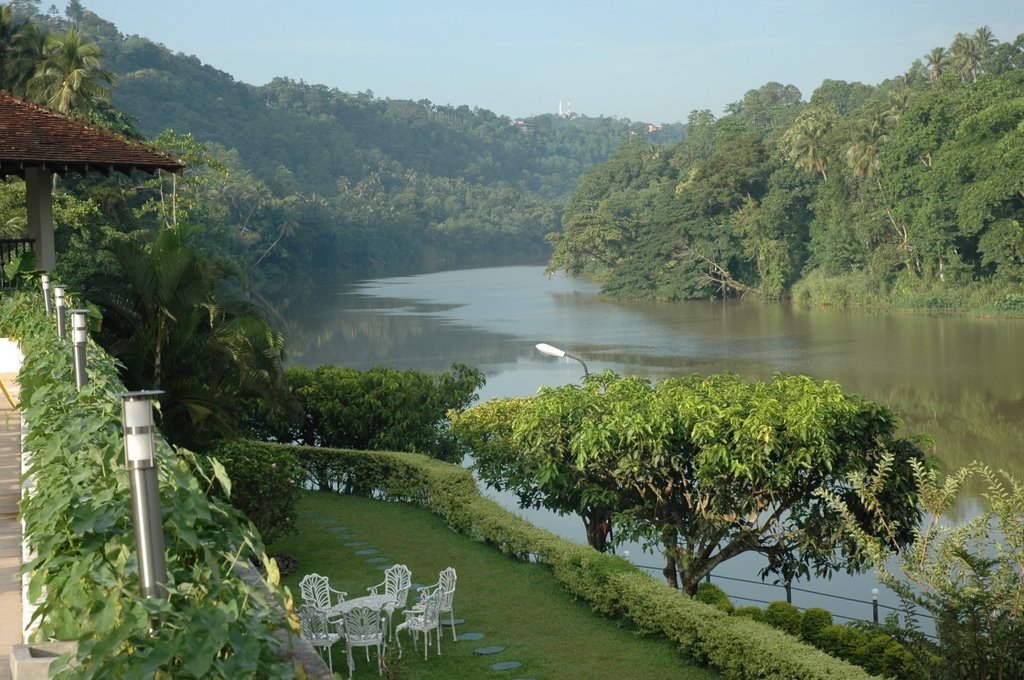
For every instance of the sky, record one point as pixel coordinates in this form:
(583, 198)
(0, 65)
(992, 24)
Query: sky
(653, 61)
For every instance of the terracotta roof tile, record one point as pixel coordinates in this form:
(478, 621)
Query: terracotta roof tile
(35, 136)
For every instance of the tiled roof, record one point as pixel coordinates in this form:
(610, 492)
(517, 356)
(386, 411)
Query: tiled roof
(35, 136)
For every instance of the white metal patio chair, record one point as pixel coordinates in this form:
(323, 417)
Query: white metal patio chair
(397, 580)
(316, 590)
(445, 589)
(363, 627)
(317, 630)
(422, 618)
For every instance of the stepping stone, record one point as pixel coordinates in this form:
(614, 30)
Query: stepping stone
(488, 650)
(470, 636)
(452, 622)
(384, 567)
(353, 544)
(378, 560)
(416, 586)
(344, 537)
(338, 528)
(308, 514)
(505, 665)
(325, 521)
(367, 551)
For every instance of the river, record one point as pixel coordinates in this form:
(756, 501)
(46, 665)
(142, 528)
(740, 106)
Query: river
(958, 379)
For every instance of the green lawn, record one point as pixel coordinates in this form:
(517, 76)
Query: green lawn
(517, 606)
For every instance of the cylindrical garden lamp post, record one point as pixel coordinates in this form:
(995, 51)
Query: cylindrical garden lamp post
(79, 336)
(547, 349)
(58, 302)
(140, 456)
(46, 294)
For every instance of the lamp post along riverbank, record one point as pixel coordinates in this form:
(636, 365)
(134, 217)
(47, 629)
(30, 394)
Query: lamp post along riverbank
(552, 351)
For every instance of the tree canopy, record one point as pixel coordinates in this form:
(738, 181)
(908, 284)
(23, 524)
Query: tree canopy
(706, 468)
(907, 191)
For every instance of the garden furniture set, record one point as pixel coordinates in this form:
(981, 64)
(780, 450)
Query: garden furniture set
(326, 616)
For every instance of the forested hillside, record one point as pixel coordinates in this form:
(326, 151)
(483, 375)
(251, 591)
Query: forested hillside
(908, 192)
(315, 177)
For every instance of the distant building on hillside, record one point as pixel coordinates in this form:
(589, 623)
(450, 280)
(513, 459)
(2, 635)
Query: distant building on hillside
(525, 126)
(566, 111)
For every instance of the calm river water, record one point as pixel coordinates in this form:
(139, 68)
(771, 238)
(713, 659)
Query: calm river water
(957, 379)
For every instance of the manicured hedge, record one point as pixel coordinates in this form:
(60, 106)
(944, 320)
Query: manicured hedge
(84, 577)
(738, 646)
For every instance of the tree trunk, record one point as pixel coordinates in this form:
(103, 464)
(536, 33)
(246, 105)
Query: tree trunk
(598, 525)
(671, 570)
(690, 581)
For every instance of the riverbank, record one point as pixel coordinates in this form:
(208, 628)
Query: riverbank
(856, 291)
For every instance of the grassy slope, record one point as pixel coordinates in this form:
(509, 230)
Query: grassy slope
(516, 605)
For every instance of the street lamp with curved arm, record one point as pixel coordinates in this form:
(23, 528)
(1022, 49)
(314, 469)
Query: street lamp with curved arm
(547, 349)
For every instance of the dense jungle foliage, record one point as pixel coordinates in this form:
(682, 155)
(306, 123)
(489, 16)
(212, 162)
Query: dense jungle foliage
(908, 192)
(290, 177)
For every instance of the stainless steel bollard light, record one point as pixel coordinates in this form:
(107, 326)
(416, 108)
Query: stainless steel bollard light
(79, 336)
(46, 294)
(874, 604)
(140, 456)
(58, 302)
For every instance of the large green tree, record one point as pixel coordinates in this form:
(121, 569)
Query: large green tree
(706, 468)
(167, 320)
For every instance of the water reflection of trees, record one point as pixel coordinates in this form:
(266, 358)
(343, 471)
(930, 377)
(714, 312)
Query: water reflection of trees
(955, 379)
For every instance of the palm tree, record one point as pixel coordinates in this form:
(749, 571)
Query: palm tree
(70, 74)
(803, 143)
(8, 30)
(22, 47)
(163, 320)
(966, 55)
(288, 225)
(936, 60)
(862, 158)
(984, 39)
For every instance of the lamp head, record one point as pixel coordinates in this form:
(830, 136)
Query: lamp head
(79, 326)
(138, 426)
(547, 349)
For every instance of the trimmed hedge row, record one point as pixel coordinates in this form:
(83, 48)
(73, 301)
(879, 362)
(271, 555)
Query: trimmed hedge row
(612, 587)
(77, 521)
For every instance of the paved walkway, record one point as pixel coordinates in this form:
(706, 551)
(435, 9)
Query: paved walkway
(10, 527)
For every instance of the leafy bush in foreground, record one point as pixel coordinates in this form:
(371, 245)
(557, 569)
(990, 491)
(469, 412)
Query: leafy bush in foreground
(84, 575)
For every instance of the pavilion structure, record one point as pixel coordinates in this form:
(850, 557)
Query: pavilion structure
(37, 143)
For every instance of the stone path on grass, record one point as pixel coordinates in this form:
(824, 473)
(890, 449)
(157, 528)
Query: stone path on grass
(373, 557)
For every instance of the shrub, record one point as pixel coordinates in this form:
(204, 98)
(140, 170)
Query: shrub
(750, 612)
(84, 578)
(380, 409)
(709, 593)
(784, 616)
(813, 622)
(840, 641)
(265, 487)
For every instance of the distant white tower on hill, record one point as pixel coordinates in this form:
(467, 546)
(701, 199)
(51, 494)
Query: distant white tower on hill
(565, 112)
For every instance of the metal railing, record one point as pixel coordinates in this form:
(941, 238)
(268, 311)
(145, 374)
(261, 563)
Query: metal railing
(10, 250)
(789, 588)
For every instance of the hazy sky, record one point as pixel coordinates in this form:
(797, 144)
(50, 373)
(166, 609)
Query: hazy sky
(647, 60)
